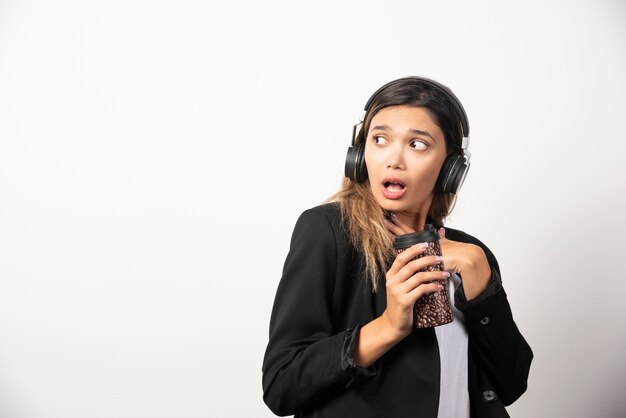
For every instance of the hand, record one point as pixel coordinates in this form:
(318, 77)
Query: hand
(397, 227)
(405, 285)
(469, 261)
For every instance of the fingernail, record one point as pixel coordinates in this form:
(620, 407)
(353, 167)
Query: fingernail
(422, 245)
(439, 258)
(445, 274)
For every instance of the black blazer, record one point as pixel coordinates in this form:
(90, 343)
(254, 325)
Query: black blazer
(321, 302)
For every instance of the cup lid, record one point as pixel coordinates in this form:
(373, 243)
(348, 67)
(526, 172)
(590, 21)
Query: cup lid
(428, 234)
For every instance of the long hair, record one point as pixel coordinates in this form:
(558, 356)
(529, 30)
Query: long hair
(360, 213)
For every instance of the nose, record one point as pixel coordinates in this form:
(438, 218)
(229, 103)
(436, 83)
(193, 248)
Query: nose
(393, 164)
(395, 158)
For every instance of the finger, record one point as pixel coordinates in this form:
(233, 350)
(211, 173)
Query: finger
(413, 267)
(406, 256)
(442, 233)
(424, 289)
(400, 291)
(393, 228)
(406, 229)
(421, 278)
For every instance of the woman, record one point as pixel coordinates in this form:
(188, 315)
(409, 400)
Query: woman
(342, 340)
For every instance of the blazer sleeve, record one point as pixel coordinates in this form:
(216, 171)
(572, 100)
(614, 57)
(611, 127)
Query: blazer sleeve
(499, 347)
(306, 359)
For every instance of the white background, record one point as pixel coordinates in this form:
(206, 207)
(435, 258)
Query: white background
(154, 156)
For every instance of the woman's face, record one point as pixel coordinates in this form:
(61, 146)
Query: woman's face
(404, 152)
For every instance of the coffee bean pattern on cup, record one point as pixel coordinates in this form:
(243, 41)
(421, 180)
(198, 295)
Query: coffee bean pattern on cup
(432, 309)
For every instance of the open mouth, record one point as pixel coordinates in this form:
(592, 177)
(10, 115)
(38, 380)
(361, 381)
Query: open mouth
(393, 188)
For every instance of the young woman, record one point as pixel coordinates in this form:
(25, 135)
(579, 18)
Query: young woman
(342, 341)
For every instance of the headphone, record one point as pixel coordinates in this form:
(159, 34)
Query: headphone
(455, 167)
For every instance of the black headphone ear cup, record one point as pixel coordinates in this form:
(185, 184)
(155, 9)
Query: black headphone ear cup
(355, 168)
(350, 163)
(361, 169)
(452, 174)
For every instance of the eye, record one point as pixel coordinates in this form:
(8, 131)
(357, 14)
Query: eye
(418, 145)
(379, 140)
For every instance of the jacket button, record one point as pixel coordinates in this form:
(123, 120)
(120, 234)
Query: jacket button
(489, 396)
(485, 320)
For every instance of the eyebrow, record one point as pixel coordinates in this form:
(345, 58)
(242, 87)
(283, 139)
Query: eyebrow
(412, 131)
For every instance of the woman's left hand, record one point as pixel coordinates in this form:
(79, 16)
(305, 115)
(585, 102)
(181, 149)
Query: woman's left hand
(468, 260)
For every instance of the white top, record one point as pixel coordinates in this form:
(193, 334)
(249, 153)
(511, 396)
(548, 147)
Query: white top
(452, 340)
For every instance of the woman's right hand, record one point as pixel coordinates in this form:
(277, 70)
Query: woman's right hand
(405, 284)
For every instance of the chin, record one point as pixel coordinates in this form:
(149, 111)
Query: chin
(407, 204)
(393, 206)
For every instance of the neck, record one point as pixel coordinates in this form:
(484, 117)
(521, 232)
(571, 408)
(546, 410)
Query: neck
(415, 220)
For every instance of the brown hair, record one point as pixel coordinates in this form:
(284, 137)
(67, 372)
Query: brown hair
(362, 216)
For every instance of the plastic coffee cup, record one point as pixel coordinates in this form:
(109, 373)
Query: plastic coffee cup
(432, 309)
